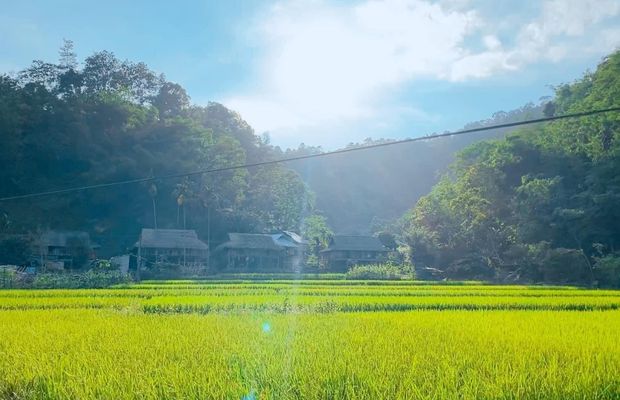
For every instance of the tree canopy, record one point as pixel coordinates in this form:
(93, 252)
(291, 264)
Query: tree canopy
(68, 124)
(539, 205)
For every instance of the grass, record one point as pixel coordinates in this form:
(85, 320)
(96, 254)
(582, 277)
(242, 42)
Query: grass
(310, 339)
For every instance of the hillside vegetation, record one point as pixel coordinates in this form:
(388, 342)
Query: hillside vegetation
(363, 192)
(539, 205)
(68, 124)
(65, 124)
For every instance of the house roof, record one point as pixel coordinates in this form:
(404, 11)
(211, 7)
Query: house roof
(348, 243)
(295, 237)
(171, 239)
(65, 238)
(251, 241)
(264, 241)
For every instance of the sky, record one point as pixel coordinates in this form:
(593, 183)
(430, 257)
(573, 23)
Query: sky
(327, 73)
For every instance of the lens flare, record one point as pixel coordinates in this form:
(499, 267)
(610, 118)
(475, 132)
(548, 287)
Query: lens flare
(249, 396)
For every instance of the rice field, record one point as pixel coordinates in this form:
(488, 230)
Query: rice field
(310, 339)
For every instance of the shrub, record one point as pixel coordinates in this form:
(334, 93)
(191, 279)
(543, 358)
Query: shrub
(470, 267)
(86, 280)
(607, 271)
(163, 270)
(565, 266)
(7, 277)
(104, 266)
(377, 271)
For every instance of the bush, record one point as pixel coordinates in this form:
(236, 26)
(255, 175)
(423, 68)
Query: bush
(159, 271)
(565, 266)
(86, 280)
(471, 267)
(7, 277)
(377, 272)
(607, 271)
(104, 266)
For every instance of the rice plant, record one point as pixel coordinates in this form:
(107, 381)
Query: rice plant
(310, 339)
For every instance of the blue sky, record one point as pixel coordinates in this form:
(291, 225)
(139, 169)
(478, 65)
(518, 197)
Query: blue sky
(328, 73)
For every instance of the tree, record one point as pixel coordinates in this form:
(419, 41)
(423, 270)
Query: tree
(171, 100)
(105, 120)
(40, 73)
(318, 234)
(67, 57)
(536, 205)
(153, 194)
(278, 198)
(14, 251)
(102, 73)
(388, 240)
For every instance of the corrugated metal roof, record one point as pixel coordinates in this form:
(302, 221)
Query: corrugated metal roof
(295, 237)
(348, 243)
(251, 241)
(265, 241)
(171, 239)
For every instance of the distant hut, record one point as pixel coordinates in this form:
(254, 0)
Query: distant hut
(172, 246)
(344, 251)
(249, 252)
(64, 249)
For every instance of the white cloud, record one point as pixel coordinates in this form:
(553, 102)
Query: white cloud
(554, 36)
(327, 64)
(492, 42)
(573, 17)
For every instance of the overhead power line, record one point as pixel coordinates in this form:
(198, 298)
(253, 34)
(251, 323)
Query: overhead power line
(309, 156)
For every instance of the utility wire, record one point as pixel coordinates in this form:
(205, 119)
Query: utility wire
(309, 156)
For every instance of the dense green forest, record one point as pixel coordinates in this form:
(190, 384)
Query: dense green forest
(543, 204)
(67, 124)
(537, 204)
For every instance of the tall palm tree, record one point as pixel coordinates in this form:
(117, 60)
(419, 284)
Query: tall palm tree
(180, 203)
(153, 194)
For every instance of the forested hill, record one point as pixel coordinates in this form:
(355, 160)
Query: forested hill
(545, 196)
(542, 204)
(361, 192)
(66, 124)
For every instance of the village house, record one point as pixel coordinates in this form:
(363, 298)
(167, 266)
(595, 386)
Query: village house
(262, 252)
(180, 247)
(57, 250)
(346, 251)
